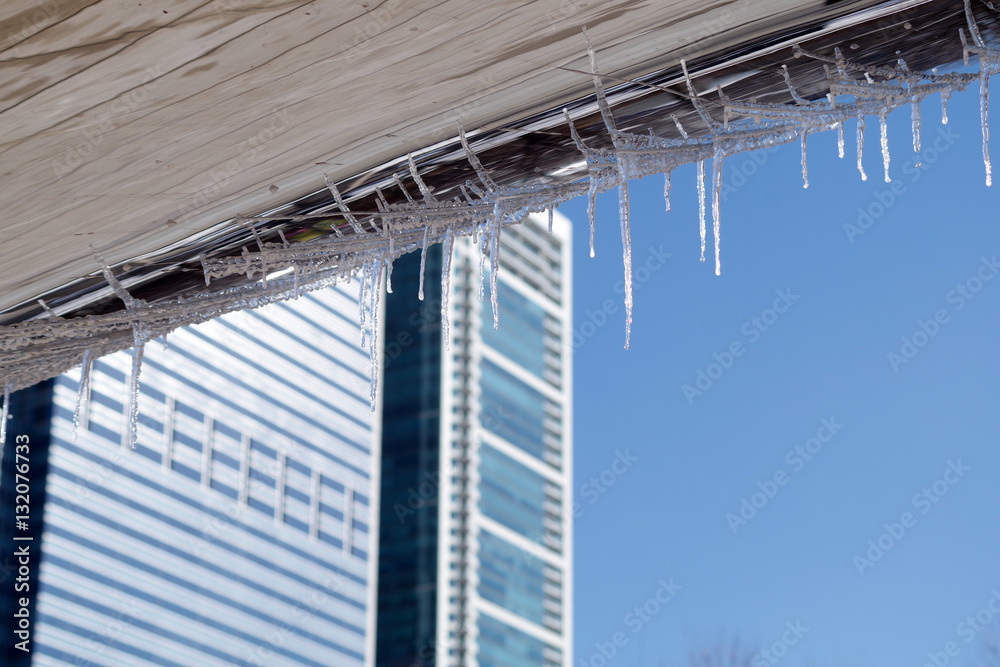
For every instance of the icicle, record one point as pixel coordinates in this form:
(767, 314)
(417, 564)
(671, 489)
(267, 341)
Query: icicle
(984, 118)
(495, 267)
(362, 306)
(861, 146)
(840, 139)
(701, 205)
(424, 190)
(351, 220)
(915, 117)
(626, 255)
(399, 184)
(592, 190)
(133, 393)
(392, 253)
(482, 268)
(48, 311)
(602, 101)
(717, 207)
(884, 133)
(3, 417)
(945, 94)
(83, 391)
(680, 128)
(423, 263)
(791, 89)
(805, 164)
(666, 188)
(373, 339)
(446, 252)
(474, 161)
(551, 209)
(591, 207)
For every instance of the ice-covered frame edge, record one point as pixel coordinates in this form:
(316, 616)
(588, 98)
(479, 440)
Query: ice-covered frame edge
(41, 348)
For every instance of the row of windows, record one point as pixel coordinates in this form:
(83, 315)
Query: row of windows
(520, 414)
(532, 255)
(529, 335)
(183, 439)
(516, 580)
(519, 498)
(500, 645)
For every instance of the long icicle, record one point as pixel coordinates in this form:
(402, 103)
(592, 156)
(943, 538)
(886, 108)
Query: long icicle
(861, 146)
(623, 213)
(805, 163)
(592, 189)
(884, 135)
(362, 306)
(717, 209)
(495, 267)
(591, 209)
(446, 253)
(666, 188)
(701, 205)
(83, 391)
(133, 392)
(482, 267)
(423, 263)
(915, 118)
(373, 350)
(984, 118)
(3, 417)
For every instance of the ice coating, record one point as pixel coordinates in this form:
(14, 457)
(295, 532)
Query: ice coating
(362, 242)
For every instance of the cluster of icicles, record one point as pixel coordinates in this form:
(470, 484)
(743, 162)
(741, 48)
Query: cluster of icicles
(44, 347)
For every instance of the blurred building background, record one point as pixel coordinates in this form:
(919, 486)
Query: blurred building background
(240, 529)
(476, 540)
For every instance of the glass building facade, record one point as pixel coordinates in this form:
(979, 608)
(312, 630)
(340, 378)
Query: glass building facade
(476, 565)
(241, 529)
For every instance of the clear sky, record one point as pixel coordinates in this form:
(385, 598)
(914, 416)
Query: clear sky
(892, 428)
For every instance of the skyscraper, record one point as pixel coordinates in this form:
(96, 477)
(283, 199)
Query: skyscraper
(240, 529)
(475, 542)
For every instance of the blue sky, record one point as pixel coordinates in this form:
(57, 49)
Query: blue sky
(849, 299)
